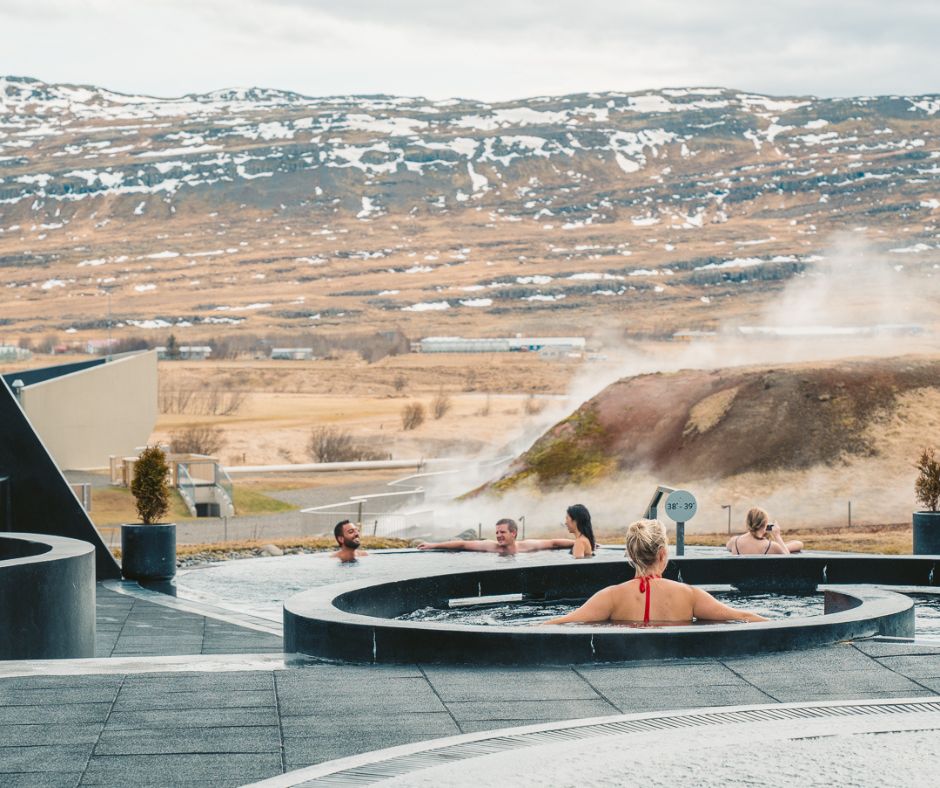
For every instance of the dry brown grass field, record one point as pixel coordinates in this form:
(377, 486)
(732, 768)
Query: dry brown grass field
(491, 400)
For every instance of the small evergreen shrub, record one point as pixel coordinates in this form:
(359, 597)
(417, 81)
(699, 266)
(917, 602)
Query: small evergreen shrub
(927, 486)
(150, 487)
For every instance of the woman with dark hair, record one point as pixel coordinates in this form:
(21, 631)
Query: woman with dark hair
(578, 520)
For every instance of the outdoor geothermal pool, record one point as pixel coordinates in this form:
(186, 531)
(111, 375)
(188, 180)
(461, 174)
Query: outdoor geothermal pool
(525, 612)
(259, 586)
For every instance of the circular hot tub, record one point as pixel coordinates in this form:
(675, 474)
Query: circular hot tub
(361, 622)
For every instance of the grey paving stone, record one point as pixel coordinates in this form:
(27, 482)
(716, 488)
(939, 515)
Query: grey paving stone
(156, 645)
(871, 680)
(492, 674)
(64, 682)
(662, 699)
(558, 684)
(143, 698)
(43, 696)
(42, 780)
(808, 695)
(103, 649)
(375, 706)
(926, 666)
(163, 651)
(160, 770)
(11, 735)
(529, 710)
(430, 724)
(339, 743)
(879, 649)
(200, 718)
(188, 682)
(135, 637)
(671, 675)
(243, 643)
(43, 715)
(190, 740)
(828, 660)
(251, 649)
(43, 758)
(473, 726)
(932, 684)
(345, 675)
(394, 695)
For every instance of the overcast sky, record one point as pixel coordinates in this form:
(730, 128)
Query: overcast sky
(483, 49)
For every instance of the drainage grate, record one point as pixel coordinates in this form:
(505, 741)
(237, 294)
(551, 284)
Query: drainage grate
(397, 766)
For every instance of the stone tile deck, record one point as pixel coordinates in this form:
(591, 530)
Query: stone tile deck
(228, 727)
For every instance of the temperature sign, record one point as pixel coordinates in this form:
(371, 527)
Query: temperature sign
(681, 506)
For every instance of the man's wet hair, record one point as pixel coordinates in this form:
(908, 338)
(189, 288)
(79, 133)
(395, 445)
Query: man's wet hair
(513, 528)
(338, 529)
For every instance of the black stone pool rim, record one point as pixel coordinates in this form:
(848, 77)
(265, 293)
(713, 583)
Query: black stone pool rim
(356, 622)
(47, 597)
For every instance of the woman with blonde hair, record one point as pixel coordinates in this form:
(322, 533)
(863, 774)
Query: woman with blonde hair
(762, 537)
(649, 597)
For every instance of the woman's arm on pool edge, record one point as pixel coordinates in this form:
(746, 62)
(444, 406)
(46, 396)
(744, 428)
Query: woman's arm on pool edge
(597, 608)
(531, 545)
(707, 608)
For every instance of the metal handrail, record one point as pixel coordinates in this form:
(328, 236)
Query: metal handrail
(651, 509)
(226, 488)
(187, 488)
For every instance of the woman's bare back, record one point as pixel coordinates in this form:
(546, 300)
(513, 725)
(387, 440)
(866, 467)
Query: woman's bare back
(670, 602)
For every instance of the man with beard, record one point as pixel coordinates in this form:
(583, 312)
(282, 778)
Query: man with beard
(505, 543)
(347, 537)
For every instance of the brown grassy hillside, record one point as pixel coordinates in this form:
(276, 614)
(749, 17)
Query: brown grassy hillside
(803, 438)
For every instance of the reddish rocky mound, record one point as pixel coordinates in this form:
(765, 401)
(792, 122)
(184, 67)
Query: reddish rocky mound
(715, 424)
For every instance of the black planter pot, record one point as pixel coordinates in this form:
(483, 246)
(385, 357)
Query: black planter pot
(148, 552)
(926, 533)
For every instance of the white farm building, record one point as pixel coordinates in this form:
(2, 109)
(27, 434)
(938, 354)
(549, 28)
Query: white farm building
(555, 345)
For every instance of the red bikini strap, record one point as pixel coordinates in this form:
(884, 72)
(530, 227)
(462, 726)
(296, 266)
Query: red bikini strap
(645, 585)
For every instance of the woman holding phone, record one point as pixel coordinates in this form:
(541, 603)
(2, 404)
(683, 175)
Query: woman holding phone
(762, 537)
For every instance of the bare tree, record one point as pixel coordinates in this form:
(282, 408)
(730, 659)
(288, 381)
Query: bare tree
(212, 402)
(399, 383)
(412, 416)
(198, 439)
(332, 444)
(174, 400)
(440, 404)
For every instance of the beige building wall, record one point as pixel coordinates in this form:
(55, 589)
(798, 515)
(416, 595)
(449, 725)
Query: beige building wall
(85, 417)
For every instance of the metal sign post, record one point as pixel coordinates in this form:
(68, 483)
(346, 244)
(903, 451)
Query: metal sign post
(681, 507)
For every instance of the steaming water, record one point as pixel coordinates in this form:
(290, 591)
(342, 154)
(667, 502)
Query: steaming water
(773, 606)
(259, 586)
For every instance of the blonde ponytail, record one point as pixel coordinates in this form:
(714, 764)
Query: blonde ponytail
(645, 538)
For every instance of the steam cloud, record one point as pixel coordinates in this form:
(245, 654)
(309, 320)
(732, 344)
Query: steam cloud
(854, 302)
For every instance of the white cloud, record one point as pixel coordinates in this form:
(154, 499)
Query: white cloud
(487, 50)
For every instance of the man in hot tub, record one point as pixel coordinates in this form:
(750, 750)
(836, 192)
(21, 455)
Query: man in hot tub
(504, 544)
(347, 537)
